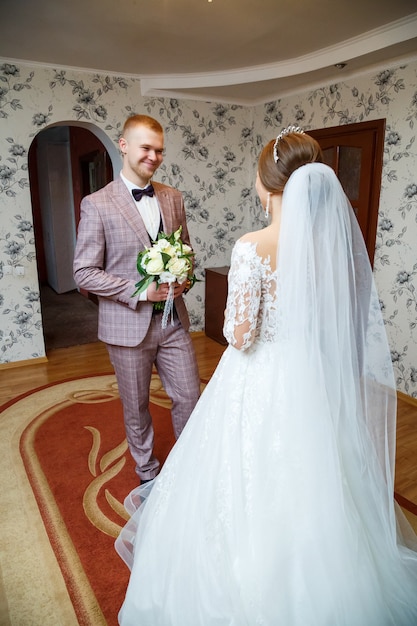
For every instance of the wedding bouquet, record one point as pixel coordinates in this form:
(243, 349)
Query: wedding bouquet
(168, 260)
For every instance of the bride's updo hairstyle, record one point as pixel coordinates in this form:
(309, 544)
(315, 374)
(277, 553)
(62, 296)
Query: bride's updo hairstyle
(283, 155)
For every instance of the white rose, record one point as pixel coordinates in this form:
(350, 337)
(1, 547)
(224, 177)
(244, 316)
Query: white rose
(178, 267)
(166, 277)
(153, 253)
(157, 246)
(163, 245)
(155, 265)
(186, 249)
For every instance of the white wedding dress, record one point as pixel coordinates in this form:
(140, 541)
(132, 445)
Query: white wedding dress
(258, 517)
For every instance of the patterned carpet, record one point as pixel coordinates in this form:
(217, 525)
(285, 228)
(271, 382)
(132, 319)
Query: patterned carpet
(64, 472)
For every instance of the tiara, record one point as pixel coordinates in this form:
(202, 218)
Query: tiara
(285, 131)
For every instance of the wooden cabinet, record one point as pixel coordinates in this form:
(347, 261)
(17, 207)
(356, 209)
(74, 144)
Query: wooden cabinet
(215, 302)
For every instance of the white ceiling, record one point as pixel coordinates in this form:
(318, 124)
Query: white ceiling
(239, 51)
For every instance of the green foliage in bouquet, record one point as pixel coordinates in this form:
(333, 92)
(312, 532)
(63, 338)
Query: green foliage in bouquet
(168, 260)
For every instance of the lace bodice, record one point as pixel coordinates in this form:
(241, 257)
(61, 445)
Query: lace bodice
(251, 297)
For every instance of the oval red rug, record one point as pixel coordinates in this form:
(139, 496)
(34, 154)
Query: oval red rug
(75, 463)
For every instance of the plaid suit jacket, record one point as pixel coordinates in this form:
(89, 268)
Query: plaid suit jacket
(111, 232)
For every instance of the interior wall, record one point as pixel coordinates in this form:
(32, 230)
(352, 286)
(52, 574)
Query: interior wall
(389, 93)
(211, 155)
(206, 158)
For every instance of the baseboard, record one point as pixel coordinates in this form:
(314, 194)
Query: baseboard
(44, 359)
(37, 361)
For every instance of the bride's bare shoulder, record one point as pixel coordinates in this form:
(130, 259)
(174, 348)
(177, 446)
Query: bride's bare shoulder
(265, 236)
(253, 237)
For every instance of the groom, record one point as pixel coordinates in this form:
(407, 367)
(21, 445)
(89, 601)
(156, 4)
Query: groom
(116, 223)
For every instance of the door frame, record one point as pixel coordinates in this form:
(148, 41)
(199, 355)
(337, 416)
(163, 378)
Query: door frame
(377, 128)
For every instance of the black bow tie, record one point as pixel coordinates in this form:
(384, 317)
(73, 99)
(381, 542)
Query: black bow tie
(139, 193)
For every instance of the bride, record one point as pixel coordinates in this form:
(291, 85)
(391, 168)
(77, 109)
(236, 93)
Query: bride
(275, 507)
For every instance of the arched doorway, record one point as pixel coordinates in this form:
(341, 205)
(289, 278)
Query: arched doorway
(66, 162)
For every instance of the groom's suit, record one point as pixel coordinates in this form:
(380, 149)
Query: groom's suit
(111, 232)
(110, 235)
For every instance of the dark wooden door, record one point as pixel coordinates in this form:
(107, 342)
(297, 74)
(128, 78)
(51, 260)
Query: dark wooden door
(355, 152)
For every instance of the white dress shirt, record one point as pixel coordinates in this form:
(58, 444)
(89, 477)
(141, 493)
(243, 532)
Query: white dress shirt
(149, 210)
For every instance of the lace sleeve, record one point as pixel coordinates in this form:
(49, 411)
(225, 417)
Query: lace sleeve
(244, 293)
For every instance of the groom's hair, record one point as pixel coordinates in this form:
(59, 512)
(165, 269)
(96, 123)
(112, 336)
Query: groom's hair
(142, 120)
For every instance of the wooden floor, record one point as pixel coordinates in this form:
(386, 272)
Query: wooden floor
(88, 360)
(91, 359)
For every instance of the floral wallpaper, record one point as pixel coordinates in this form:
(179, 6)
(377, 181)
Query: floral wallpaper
(211, 154)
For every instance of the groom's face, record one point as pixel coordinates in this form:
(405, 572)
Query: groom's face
(142, 150)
